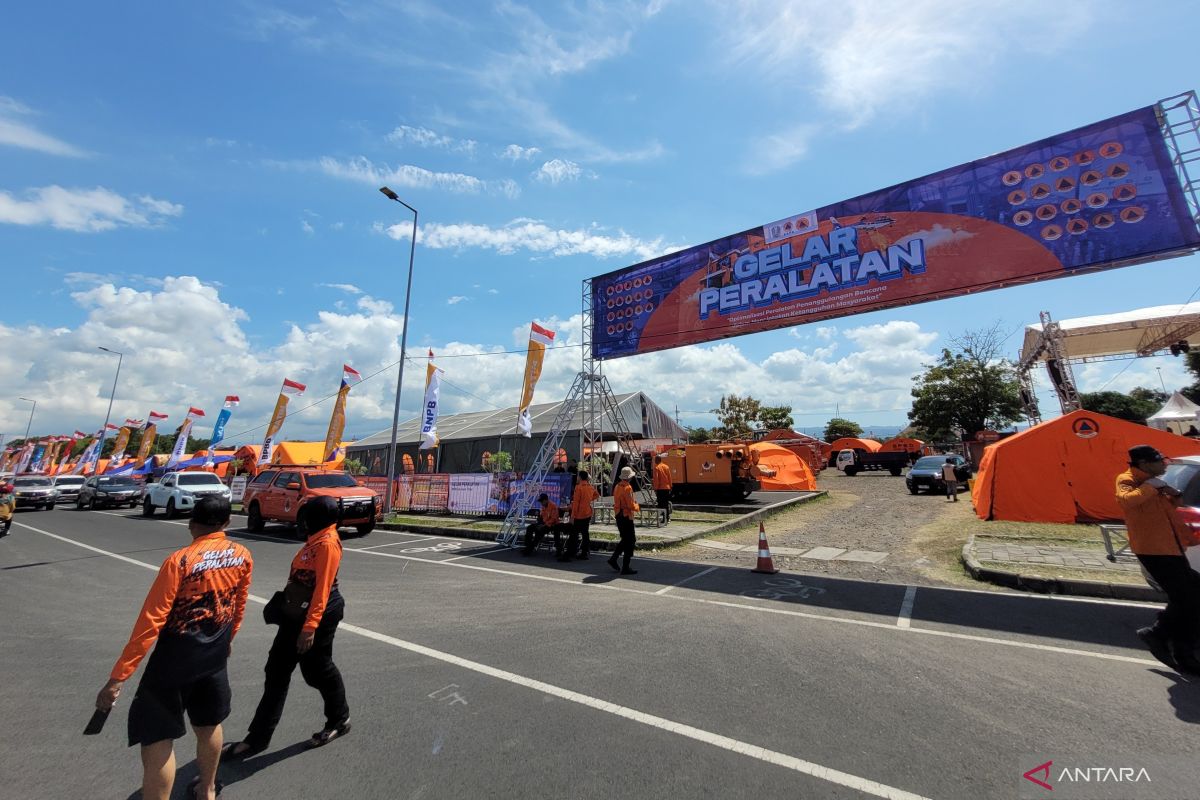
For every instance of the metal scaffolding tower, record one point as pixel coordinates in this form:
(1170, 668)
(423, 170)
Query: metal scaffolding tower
(591, 397)
(1058, 365)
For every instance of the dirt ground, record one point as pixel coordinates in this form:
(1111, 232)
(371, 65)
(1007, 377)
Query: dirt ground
(922, 534)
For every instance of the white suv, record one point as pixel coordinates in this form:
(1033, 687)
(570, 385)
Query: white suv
(178, 492)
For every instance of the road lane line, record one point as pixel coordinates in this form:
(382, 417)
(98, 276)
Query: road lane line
(757, 608)
(887, 626)
(478, 553)
(666, 589)
(905, 618)
(400, 543)
(784, 760)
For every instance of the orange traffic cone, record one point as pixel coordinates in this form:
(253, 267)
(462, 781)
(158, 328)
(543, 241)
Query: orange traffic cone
(765, 564)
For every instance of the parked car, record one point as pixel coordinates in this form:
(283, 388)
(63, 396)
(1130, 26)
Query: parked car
(178, 492)
(927, 473)
(34, 491)
(1184, 474)
(108, 491)
(68, 487)
(279, 495)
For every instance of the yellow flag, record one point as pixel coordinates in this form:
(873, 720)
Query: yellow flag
(539, 339)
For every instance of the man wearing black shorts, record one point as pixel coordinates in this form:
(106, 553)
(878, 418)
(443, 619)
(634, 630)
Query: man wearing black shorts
(193, 610)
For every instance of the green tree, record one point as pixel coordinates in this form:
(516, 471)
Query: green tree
(737, 415)
(1193, 366)
(1123, 406)
(699, 435)
(354, 466)
(969, 388)
(772, 417)
(500, 461)
(838, 428)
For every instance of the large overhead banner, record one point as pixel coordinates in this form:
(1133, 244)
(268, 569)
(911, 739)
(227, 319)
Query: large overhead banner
(1101, 196)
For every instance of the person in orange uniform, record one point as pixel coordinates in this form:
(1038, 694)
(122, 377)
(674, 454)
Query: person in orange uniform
(309, 620)
(624, 507)
(1159, 539)
(8, 504)
(193, 610)
(581, 518)
(662, 484)
(547, 522)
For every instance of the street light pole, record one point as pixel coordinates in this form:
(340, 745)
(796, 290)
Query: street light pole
(412, 249)
(1160, 380)
(30, 423)
(108, 414)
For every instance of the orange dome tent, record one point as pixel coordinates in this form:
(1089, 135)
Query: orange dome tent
(791, 474)
(850, 443)
(247, 456)
(1065, 470)
(903, 444)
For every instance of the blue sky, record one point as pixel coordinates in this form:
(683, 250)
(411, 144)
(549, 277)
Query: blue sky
(196, 185)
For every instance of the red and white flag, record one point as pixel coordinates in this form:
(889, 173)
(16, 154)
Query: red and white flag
(350, 375)
(231, 401)
(134, 423)
(291, 387)
(156, 417)
(195, 413)
(80, 435)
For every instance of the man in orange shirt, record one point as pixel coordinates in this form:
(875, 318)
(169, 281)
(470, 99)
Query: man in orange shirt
(1159, 539)
(314, 606)
(624, 507)
(193, 610)
(662, 484)
(581, 518)
(547, 522)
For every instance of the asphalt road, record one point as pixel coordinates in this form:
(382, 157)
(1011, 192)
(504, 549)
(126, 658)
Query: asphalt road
(476, 672)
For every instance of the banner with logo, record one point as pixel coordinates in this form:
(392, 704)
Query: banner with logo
(99, 451)
(149, 434)
(429, 409)
(1101, 196)
(26, 457)
(218, 434)
(180, 448)
(289, 389)
(337, 420)
(123, 435)
(539, 339)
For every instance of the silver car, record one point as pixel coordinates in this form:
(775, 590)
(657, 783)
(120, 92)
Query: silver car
(34, 491)
(68, 487)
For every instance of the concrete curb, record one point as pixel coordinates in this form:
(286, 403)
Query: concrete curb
(644, 543)
(1069, 586)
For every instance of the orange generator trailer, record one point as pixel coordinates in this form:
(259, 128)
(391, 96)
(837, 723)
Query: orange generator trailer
(726, 471)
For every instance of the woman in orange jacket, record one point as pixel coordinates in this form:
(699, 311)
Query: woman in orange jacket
(624, 507)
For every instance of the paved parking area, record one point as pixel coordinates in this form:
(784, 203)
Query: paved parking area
(474, 671)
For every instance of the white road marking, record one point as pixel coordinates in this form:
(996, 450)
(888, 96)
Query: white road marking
(769, 610)
(666, 589)
(784, 760)
(479, 553)
(906, 607)
(400, 543)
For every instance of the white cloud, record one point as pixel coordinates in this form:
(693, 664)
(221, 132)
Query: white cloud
(304, 226)
(16, 132)
(558, 170)
(493, 291)
(167, 372)
(514, 152)
(776, 151)
(455, 300)
(363, 170)
(847, 51)
(84, 210)
(826, 333)
(424, 137)
(348, 288)
(534, 236)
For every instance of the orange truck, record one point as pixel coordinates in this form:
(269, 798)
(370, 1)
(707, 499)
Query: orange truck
(717, 471)
(279, 493)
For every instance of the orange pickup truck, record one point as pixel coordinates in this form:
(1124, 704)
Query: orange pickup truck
(278, 494)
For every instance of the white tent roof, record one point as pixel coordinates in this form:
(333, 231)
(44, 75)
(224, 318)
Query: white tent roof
(1177, 409)
(1142, 331)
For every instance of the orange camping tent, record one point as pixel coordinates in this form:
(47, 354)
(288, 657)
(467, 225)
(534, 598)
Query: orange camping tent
(791, 473)
(247, 457)
(1065, 470)
(307, 453)
(850, 443)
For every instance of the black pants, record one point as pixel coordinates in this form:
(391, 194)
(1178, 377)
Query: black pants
(1180, 620)
(580, 532)
(537, 531)
(628, 539)
(663, 496)
(318, 670)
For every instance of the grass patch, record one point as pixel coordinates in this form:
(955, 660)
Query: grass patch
(1133, 577)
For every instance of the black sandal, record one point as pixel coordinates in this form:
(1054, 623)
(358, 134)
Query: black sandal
(227, 753)
(195, 784)
(327, 735)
